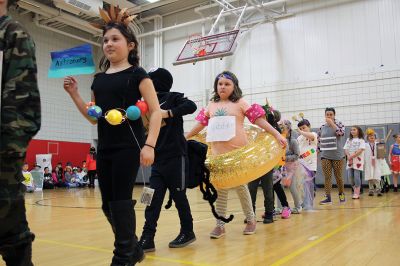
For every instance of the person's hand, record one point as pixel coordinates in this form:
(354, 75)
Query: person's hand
(350, 163)
(282, 140)
(164, 113)
(147, 156)
(330, 122)
(70, 85)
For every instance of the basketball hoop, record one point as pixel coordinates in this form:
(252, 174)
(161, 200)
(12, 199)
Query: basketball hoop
(199, 48)
(197, 44)
(201, 52)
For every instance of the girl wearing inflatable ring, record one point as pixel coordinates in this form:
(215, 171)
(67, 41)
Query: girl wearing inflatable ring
(224, 117)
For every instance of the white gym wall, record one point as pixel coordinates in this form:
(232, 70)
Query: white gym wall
(285, 62)
(329, 54)
(60, 118)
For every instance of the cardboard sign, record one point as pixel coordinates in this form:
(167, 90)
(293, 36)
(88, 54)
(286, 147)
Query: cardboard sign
(74, 61)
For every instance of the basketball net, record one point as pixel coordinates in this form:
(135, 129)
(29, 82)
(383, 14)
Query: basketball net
(198, 45)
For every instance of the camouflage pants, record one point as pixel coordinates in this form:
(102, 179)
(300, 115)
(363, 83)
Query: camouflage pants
(15, 236)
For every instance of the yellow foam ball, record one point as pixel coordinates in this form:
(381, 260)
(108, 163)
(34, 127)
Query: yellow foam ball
(114, 117)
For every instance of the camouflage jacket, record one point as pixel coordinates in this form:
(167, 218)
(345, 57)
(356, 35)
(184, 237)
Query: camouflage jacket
(20, 99)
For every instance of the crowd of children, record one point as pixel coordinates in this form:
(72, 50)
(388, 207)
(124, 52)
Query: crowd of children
(67, 177)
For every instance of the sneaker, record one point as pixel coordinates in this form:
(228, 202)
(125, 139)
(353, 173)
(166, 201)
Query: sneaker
(371, 193)
(326, 201)
(274, 216)
(250, 228)
(278, 210)
(286, 213)
(342, 198)
(147, 243)
(182, 240)
(268, 218)
(355, 196)
(395, 189)
(379, 193)
(296, 210)
(218, 232)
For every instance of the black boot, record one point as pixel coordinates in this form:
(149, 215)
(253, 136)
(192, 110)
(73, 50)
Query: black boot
(182, 240)
(107, 213)
(20, 255)
(268, 217)
(127, 251)
(147, 243)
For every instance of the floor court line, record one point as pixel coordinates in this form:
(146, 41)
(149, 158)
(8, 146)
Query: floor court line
(103, 250)
(328, 235)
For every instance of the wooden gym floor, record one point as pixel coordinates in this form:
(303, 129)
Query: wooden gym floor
(71, 230)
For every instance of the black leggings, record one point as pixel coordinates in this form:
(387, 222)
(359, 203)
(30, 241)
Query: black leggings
(281, 194)
(91, 175)
(116, 172)
(267, 187)
(168, 174)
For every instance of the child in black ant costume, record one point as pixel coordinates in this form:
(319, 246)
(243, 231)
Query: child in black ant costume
(170, 168)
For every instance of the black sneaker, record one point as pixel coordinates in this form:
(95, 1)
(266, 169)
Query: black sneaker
(147, 243)
(268, 218)
(182, 240)
(395, 189)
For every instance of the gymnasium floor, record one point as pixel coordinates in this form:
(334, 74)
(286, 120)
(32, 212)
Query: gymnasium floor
(71, 230)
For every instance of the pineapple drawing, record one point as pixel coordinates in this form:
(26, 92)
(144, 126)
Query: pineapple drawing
(221, 112)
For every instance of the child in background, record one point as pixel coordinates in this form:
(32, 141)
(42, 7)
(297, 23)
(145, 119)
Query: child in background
(383, 165)
(69, 177)
(293, 178)
(394, 159)
(81, 175)
(308, 144)
(273, 116)
(28, 179)
(48, 182)
(85, 171)
(78, 177)
(354, 150)
(371, 168)
(228, 102)
(91, 166)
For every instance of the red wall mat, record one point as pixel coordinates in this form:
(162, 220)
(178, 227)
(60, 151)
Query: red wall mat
(62, 151)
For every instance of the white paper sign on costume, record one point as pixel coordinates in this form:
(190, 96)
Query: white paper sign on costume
(221, 128)
(38, 178)
(44, 160)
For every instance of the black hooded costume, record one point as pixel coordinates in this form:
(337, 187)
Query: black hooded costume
(170, 168)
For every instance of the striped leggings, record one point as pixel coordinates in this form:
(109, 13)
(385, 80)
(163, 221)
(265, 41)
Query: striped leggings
(245, 200)
(337, 166)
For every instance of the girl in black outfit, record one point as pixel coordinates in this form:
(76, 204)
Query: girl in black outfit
(120, 147)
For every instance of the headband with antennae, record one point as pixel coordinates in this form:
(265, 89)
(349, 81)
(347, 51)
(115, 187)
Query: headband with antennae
(114, 15)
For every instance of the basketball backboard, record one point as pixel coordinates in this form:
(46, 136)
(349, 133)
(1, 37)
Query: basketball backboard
(199, 48)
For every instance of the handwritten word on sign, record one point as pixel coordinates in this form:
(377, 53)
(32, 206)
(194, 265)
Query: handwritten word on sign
(74, 61)
(221, 128)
